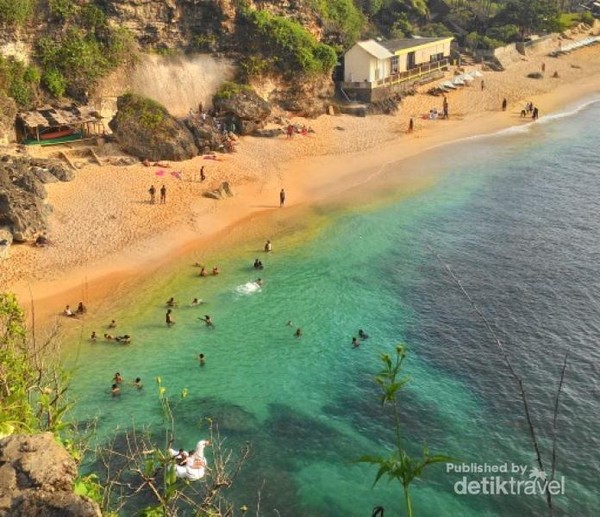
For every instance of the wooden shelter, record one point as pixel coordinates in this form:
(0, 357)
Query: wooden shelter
(48, 125)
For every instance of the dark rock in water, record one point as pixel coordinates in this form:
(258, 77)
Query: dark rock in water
(145, 129)
(36, 478)
(244, 108)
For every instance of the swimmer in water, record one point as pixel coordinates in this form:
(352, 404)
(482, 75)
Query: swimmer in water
(207, 320)
(125, 339)
(203, 271)
(362, 335)
(259, 282)
(109, 337)
(215, 270)
(93, 336)
(115, 390)
(298, 332)
(355, 342)
(201, 359)
(268, 246)
(290, 323)
(138, 383)
(112, 324)
(195, 301)
(117, 378)
(171, 302)
(168, 319)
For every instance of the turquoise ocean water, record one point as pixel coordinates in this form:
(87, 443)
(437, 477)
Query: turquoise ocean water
(516, 215)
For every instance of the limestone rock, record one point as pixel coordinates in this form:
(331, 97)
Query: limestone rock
(22, 194)
(8, 112)
(6, 240)
(145, 129)
(36, 478)
(206, 136)
(244, 108)
(224, 191)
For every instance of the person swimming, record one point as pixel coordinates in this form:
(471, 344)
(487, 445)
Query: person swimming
(298, 332)
(138, 383)
(215, 270)
(112, 324)
(203, 271)
(258, 264)
(355, 342)
(208, 321)
(93, 336)
(171, 302)
(362, 335)
(168, 319)
(201, 359)
(117, 378)
(115, 390)
(196, 301)
(109, 337)
(259, 282)
(125, 339)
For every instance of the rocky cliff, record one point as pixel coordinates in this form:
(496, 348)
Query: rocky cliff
(36, 478)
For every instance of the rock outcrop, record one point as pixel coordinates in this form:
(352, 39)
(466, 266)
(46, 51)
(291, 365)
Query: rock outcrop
(8, 112)
(305, 98)
(36, 478)
(206, 136)
(244, 108)
(144, 128)
(23, 209)
(223, 192)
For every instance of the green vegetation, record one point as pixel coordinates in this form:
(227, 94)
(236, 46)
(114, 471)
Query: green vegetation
(19, 81)
(341, 17)
(228, 89)
(148, 112)
(32, 387)
(17, 12)
(399, 466)
(75, 58)
(290, 47)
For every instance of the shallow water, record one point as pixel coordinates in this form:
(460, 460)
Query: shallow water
(514, 215)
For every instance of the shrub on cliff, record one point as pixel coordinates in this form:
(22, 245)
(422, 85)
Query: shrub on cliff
(19, 81)
(291, 48)
(16, 12)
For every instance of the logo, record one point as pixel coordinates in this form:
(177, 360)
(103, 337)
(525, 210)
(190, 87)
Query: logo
(503, 479)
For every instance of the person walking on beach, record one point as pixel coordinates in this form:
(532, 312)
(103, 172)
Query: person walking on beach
(202, 175)
(163, 195)
(411, 125)
(535, 114)
(281, 198)
(445, 108)
(504, 104)
(152, 192)
(482, 85)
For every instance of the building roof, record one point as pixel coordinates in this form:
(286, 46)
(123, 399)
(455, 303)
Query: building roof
(375, 49)
(47, 116)
(393, 45)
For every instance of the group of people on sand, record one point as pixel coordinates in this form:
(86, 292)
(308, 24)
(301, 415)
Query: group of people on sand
(80, 311)
(530, 110)
(118, 381)
(163, 194)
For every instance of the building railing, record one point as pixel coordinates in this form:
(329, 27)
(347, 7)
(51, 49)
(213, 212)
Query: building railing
(400, 77)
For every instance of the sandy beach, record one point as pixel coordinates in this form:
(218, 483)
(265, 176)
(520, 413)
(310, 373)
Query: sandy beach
(104, 230)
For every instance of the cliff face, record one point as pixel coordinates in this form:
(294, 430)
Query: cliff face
(36, 478)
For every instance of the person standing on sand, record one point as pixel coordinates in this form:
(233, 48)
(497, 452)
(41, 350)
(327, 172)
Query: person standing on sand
(163, 195)
(168, 320)
(535, 114)
(281, 198)
(202, 175)
(445, 108)
(152, 192)
(411, 125)
(504, 104)
(482, 85)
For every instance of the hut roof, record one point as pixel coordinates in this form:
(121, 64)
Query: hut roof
(47, 116)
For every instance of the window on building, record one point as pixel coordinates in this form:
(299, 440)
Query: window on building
(436, 57)
(395, 64)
